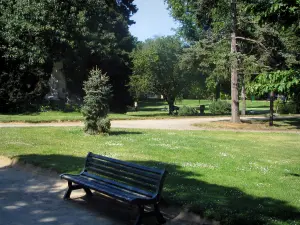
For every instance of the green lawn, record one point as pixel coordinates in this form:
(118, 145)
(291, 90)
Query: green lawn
(238, 178)
(147, 109)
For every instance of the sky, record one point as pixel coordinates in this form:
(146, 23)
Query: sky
(152, 19)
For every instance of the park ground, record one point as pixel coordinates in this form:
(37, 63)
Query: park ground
(234, 177)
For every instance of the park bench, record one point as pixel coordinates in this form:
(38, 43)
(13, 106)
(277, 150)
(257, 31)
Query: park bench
(128, 182)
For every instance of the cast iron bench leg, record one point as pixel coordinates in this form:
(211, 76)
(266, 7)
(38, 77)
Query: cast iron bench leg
(140, 216)
(88, 192)
(68, 192)
(159, 217)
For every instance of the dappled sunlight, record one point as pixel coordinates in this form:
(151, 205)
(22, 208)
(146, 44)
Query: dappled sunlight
(36, 199)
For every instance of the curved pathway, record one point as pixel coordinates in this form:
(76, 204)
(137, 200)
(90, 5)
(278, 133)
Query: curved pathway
(164, 124)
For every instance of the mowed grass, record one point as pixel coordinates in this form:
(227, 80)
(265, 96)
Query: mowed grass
(147, 109)
(237, 178)
(284, 123)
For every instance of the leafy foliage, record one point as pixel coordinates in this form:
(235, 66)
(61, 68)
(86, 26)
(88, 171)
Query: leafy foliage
(156, 68)
(286, 82)
(82, 34)
(95, 107)
(220, 107)
(283, 107)
(187, 111)
(279, 81)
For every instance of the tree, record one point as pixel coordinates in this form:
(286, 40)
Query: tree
(283, 12)
(255, 47)
(82, 34)
(286, 82)
(207, 60)
(207, 14)
(95, 104)
(156, 65)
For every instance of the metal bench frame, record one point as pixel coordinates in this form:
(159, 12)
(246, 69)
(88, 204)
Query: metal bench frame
(124, 192)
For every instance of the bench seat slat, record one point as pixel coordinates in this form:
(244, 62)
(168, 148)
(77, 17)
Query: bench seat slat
(122, 173)
(125, 168)
(121, 178)
(143, 168)
(117, 184)
(102, 188)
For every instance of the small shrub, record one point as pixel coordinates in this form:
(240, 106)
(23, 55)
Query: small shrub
(220, 108)
(291, 107)
(104, 125)
(72, 107)
(282, 107)
(187, 111)
(95, 103)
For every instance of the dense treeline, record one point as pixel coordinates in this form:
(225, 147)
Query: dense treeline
(81, 34)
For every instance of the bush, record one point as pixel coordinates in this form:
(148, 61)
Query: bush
(220, 108)
(104, 125)
(95, 103)
(187, 111)
(282, 107)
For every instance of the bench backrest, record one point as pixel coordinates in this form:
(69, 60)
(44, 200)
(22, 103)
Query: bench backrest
(147, 180)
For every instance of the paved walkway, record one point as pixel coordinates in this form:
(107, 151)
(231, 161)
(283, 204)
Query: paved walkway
(27, 197)
(165, 124)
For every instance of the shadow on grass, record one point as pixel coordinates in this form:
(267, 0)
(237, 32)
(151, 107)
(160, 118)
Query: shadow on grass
(294, 174)
(256, 112)
(258, 107)
(230, 205)
(122, 132)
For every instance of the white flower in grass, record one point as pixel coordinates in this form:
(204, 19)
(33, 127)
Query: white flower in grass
(198, 165)
(111, 143)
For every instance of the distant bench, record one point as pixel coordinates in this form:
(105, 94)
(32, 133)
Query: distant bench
(132, 183)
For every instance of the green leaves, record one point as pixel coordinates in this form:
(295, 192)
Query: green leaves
(156, 68)
(82, 34)
(280, 81)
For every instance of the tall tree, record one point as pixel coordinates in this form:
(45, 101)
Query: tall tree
(221, 18)
(81, 33)
(255, 47)
(156, 65)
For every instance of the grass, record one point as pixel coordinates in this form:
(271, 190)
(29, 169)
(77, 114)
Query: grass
(147, 109)
(255, 124)
(237, 178)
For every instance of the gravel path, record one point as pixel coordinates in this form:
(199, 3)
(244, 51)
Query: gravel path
(165, 124)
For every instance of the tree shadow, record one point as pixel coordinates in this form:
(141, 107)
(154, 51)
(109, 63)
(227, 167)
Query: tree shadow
(230, 205)
(295, 122)
(256, 112)
(294, 174)
(123, 132)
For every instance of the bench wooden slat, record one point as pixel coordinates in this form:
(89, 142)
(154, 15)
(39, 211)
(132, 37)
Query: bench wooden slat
(143, 168)
(122, 173)
(126, 168)
(113, 192)
(122, 179)
(120, 185)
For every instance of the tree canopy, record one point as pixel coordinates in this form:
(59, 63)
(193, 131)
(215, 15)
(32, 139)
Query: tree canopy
(156, 67)
(82, 34)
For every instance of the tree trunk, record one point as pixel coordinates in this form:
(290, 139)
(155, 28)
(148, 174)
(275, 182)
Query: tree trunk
(271, 108)
(171, 107)
(235, 116)
(218, 91)
(170, 102)
(243, 94)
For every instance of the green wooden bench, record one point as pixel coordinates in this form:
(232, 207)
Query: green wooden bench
(132, 183)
